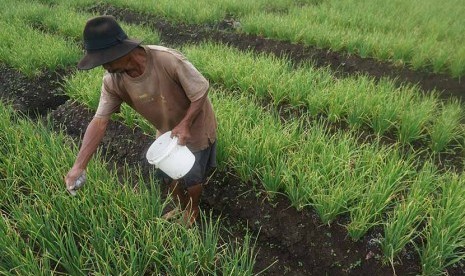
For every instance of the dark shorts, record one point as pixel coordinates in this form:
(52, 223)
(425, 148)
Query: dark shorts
(205, 160)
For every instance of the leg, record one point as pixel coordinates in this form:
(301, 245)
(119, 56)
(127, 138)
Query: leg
(192, 183)
(180, 199)
(178, 193)
(192, 210)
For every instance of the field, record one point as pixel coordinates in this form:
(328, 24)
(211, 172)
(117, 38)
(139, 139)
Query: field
(341, 141)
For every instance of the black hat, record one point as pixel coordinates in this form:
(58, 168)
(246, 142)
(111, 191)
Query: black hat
(104, 41)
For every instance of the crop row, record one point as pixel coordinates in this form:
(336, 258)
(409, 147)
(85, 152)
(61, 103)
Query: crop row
(115, 231)
(359, 101)
(419, 34)
(331, 172)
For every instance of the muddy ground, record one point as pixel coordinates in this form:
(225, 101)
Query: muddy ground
(291, 242)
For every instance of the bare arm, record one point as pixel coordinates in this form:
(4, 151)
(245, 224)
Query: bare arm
(92, 138)
(182, 130)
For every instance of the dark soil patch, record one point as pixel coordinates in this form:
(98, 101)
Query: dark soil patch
(342, 64)
(33, 96)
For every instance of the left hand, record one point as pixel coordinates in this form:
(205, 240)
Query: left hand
(183, 133)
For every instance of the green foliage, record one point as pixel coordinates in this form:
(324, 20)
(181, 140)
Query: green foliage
(43, 231)
(444, 236)
(446, 127)
(359, 100)
(419, 34)
(404, 222)
(31, 29)
(390, 173)
(414, 119)
(29, 50)
(113, 226)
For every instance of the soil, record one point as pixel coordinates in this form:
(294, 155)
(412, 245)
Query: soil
(289, 242)
(35, 96)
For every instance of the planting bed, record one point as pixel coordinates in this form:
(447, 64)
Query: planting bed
(291, 242)
(340, 63)
(294, 243)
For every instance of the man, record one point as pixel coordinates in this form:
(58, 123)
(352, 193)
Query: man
(161, 85)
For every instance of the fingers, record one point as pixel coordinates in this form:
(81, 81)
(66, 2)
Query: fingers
(74, 180)
(69, 181)
(70, 188)
(72, 192)
(182, 141)
(182, 133)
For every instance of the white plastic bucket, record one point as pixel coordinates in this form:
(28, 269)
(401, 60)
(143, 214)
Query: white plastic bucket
(170, 157)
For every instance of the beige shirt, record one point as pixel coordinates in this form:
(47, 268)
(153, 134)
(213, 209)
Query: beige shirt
(162, 95)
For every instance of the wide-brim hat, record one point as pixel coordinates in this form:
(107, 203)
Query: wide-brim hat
(104, 41)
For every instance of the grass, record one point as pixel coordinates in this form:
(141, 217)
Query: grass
(111, 227)
(418, 34)
(390, 173)
(60, 19)
(422, 35)
(360, 101)
(29, 51)
(327, 170)
(444, 237)
(447, 127)
(404, 224)
(29, 28)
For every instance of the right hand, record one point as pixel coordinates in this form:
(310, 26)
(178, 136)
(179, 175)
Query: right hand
(71, 177)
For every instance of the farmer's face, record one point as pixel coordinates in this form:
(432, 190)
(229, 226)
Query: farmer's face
(116, 66)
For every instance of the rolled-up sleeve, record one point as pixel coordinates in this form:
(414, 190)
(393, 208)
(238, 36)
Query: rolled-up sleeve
(109, 102)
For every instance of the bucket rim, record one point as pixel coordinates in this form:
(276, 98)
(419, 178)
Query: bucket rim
(165, 152)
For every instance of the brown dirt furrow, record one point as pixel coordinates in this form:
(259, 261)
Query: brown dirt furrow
(34, 96)
(342, 64)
